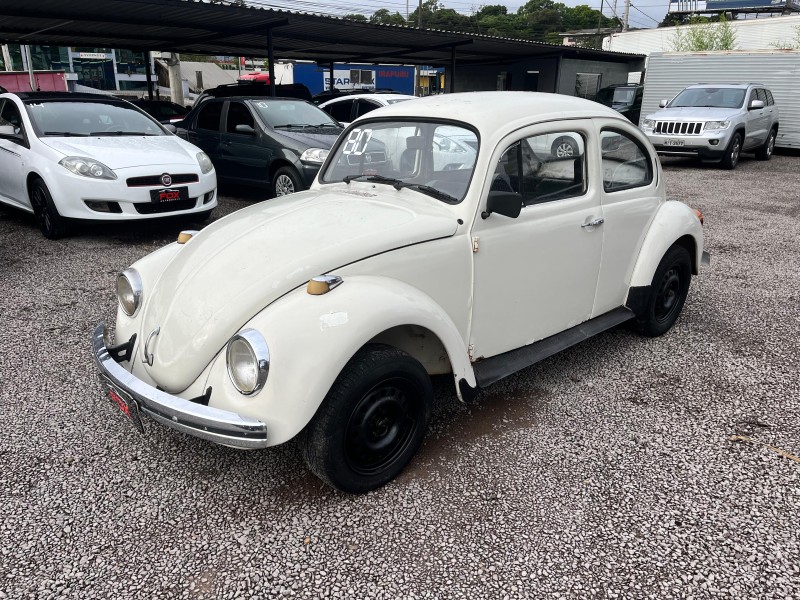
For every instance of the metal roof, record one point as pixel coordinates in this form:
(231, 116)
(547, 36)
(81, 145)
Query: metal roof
(214, 29)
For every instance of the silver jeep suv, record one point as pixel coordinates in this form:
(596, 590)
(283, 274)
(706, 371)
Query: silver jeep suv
(716, 123)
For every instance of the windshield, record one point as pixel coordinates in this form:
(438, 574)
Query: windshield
(288, 114)
(709, 97)
(436, 159)
(611, 96)
(64, 118)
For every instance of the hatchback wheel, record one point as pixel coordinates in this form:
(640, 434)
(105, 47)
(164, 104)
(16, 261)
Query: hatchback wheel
(285, 181)
(51, 223)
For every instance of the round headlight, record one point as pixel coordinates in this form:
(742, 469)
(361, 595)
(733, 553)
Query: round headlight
(129, 291)
(248, 361)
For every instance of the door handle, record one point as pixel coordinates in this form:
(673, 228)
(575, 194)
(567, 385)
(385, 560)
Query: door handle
(594, 223)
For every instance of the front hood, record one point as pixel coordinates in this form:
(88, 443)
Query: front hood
(694, 113)
(312, 138)
(119, 152)
(238, 265)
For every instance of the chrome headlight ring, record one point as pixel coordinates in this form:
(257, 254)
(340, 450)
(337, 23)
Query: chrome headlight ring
(247, 358)
(129, 291)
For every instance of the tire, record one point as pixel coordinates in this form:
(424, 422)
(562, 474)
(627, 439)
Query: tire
(733, 152)
(564, 147)
(765, 152)
(372, 421)
(285, 181)
(51, 223)
(667, 293)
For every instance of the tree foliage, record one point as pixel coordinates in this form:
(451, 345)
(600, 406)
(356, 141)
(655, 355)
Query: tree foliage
(539, 20)
(702, 35)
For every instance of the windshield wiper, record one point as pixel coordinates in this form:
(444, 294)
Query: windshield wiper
(323, 125)
(99, 133)
(66, 134)
(399, 184)
(293, 125)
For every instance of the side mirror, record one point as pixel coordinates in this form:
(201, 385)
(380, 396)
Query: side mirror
(508, 204)
(663, 103)
(756, 104)
(171, 128)
(245, 129)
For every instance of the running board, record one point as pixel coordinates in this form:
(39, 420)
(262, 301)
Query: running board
(490, 370)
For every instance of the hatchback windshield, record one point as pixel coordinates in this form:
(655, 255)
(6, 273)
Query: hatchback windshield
(709, 97)
(60, 118)
(436, 159)
(289, 114)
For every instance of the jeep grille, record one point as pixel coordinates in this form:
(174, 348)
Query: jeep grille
(678, 128)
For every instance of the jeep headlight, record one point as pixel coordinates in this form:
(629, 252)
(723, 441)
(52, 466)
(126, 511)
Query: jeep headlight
(649, 123)
(715, 125)
(205, 163)
(88, 167)
(315, 155)
(248, 361)
(129, 291)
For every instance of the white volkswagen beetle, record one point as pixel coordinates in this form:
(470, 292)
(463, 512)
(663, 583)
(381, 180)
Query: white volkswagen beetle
(321, 316)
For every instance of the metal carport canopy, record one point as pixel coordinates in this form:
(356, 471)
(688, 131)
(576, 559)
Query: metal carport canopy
(213, 29)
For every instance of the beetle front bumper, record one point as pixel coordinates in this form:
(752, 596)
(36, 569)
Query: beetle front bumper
(205, 422)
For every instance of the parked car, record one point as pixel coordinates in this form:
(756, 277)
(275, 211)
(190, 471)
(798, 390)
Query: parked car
(163, 111)
(625, 98)
(348, 108)
(85, 156)
(326, 95)
(246, 89)
(280, 142)
(716, 123)
(324, 315)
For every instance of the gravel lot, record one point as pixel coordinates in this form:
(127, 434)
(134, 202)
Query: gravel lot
(606, 471)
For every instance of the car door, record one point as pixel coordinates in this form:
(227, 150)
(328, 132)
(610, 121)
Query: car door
(204, 131)
(536, 275)
(243, 153)
(766, 118)
(13, 154)
(755, 131)
(630, 199)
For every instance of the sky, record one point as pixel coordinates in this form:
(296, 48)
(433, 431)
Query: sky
(643, 13)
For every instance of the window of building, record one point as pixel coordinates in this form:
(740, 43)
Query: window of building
(587, 85)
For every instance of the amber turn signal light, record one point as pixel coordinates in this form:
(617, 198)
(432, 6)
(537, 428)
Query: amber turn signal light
(699, 216)
(323, 284)
(185, 236)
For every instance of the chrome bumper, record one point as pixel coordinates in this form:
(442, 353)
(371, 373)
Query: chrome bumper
(212, 424)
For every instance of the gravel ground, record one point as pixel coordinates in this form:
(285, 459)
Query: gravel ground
(607, 471)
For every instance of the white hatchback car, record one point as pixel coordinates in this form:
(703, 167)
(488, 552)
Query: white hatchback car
(348, 108)
(85, 156)
(322, 315)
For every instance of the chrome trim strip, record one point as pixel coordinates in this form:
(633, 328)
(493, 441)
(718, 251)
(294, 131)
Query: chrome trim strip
(204, 422)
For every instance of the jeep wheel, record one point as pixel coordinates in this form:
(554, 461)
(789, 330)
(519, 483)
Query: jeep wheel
(285, 181)
(372, 421)
(667, 293)
(765, 151)
(731, 158)
(51, 223)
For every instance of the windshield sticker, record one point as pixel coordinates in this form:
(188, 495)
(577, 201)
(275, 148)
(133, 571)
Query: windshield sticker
(357, 142)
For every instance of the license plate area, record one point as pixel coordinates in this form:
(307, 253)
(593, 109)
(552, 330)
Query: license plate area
(673, 142)
(167, 195)
(126, 405)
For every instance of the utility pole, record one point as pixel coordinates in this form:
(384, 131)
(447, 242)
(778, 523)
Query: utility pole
(175, 81)
(625, 15)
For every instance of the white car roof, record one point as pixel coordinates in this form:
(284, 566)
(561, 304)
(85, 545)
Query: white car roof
(489, 111)
(380, 98)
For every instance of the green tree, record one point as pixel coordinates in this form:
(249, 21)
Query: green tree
(384, 17)
(356, 17)
(701, 35)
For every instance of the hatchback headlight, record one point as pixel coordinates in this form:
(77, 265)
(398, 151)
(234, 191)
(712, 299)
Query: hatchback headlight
(129, 291)
(206, 166)
(88, 167)
(649, 123)
(315, 155)
(714, 125)
(248, 361)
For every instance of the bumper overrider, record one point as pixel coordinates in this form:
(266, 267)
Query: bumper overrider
(133, 396)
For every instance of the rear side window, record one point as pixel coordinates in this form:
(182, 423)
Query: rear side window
(770, 99)
(209, 116)
(365, 106)
(762, 95)
(340, 110)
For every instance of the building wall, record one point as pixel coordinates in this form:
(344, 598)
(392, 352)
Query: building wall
(315, 77)
(764, 33)
(610, 73)
(508, 77)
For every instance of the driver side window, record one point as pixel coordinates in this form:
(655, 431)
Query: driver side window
(10, 118)
(626, 164)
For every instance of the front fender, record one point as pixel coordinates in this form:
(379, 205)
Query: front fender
(311, 338)
(673, 221)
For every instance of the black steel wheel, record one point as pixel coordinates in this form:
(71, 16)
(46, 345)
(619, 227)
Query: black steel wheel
(372, 421)
(667, 293)
(51, 223)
